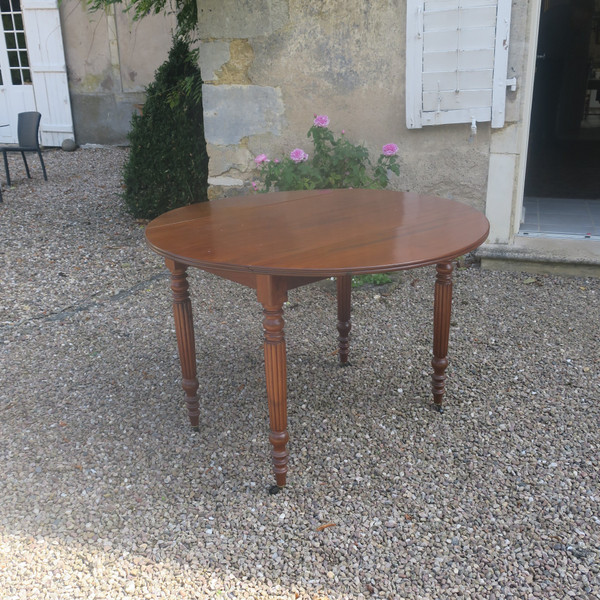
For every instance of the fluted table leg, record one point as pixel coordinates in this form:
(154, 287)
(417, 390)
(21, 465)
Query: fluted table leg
(441, 330)
(184, 330)
(272, 293)
(344, 323)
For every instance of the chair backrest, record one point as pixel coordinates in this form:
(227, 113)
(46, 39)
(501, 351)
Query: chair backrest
(27, 129)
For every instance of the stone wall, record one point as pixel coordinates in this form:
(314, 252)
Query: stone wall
(270, 65)
(110, 60)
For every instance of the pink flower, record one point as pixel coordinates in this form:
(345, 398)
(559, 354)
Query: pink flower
(298, 155)
(276, 161)
(254, 185)
(321, 120)
(390, 150)
(261, 158)
(343, 131)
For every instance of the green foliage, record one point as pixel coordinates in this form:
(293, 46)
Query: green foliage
(168, 163)
(336, 163)
(185, 10)
(371, 279)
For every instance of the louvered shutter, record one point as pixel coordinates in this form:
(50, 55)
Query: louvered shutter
(456, 61)
(48, 70)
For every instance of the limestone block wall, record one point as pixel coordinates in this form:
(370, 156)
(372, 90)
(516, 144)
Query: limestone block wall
(110, 60)
(270, 65)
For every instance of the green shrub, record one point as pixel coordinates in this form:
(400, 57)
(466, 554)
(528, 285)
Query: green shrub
(168, 164)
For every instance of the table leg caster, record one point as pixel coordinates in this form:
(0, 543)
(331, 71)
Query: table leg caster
(274, 489)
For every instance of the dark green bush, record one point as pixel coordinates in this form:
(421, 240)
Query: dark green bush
(168, 165)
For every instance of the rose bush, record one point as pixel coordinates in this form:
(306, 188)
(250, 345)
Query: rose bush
(335, 163)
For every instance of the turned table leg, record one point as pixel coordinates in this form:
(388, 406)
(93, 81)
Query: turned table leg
(184, 330)
(344, 324)
(441, 330)
(272, 293)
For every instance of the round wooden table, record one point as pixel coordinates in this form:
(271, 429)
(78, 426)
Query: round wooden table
(279, 241)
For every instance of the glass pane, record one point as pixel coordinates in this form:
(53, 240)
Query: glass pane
(13, 58)
(11, 42)
(21, 41)
(5, 5)
(16, 5)
(7, 22)
(26, 76)
(19, 22)
(24, 59)
(15, 75)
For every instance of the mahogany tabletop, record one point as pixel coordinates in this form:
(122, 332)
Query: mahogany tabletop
(318, 233)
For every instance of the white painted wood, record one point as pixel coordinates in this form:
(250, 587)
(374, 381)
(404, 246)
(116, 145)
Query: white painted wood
(501, 63)
(13, 98)
(414, 63)
(464, 60)
(464, 99)
(481, 115)
(459, 80)
(475, 80)
(457, 53)
(459, 39)
(481, 16)
(48, 70)
(475, 59)
(433, 5)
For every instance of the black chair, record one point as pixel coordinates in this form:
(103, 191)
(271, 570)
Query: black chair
(28, 126)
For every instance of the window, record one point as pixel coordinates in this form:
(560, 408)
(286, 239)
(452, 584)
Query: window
(456, 61)
(16, 47)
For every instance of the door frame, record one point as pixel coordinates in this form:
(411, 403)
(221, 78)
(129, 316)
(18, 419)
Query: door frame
(509, 147)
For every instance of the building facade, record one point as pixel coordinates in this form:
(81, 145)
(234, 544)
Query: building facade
(450, 81)
(488, 100)
(84, 72)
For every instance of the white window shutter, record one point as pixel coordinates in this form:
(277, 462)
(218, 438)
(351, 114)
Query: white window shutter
(48, 70)
(456, 61)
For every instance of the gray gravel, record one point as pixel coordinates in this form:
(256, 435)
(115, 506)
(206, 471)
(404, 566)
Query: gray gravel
(106, 492)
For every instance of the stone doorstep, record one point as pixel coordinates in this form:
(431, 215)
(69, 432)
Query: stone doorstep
(550, 256)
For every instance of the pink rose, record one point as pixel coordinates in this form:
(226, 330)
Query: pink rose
(390, 150)
(261, 158)
(298, 155)
(321, 120)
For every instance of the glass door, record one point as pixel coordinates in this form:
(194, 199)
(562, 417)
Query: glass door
(16, 90)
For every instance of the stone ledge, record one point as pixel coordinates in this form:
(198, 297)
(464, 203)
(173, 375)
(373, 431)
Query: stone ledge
(543, 255)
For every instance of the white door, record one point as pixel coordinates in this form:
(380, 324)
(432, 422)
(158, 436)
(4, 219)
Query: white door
(48, 69)
(33, 72)
(16, 89)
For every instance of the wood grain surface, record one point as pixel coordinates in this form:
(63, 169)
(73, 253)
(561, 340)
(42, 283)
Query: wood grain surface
(318, 233)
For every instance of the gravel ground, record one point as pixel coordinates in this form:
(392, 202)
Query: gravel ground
(105, 492)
